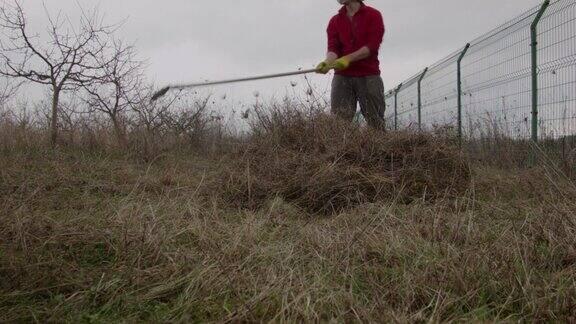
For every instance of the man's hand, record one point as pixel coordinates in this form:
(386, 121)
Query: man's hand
(324, 67)
(341, 64)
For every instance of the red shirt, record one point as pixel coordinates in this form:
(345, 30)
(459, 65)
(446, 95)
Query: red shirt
(349, 34)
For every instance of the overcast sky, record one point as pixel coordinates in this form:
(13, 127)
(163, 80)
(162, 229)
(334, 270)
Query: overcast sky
(191, 40)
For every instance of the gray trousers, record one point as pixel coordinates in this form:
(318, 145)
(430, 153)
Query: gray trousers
(347, 92)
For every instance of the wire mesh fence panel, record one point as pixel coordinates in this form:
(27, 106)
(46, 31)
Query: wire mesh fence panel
(496, 81)
(497, 91)
(557, 71)
(390, 110)
(439, 94)
(408, 105)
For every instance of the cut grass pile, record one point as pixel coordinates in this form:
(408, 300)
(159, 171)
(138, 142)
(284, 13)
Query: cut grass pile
(324, 165)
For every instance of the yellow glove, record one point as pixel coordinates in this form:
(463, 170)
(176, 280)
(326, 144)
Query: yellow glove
(323, 68)
(341, 64)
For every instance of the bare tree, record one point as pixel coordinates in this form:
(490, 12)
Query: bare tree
(7, 91)
(191, 119)
(66, 61)
(152, 116)
(118, 88)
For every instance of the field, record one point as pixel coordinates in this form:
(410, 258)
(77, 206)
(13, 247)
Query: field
(304, 220)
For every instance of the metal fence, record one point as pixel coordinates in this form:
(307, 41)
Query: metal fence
(518, 80)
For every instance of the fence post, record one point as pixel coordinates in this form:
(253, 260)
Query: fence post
(460, 58)
(534, 45)
(396, 106)
(420, 98)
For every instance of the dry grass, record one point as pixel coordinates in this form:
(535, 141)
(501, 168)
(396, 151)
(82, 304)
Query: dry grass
(96, 237)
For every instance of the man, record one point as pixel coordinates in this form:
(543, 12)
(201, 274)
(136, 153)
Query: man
(354, 38)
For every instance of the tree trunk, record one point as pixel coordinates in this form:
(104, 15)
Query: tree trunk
(120, 134)
(54, 121)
